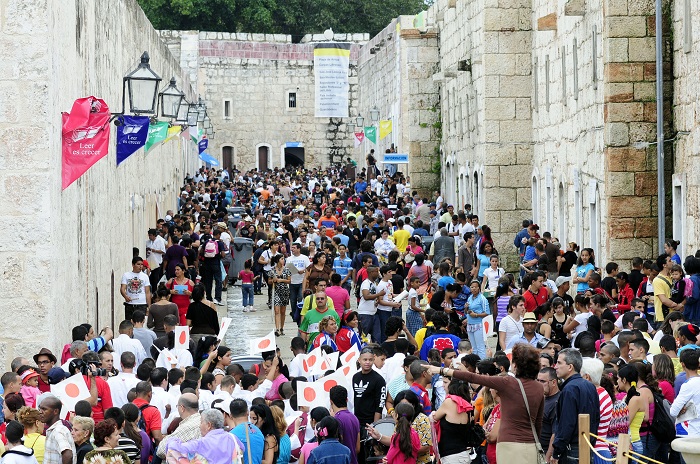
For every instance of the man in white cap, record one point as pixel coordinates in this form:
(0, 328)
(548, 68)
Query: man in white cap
(563, 283)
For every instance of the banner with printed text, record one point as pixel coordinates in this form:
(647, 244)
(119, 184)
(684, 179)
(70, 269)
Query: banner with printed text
(156, 133)
(85, 137)
(331, 71)
(371, 134)
(131, 136)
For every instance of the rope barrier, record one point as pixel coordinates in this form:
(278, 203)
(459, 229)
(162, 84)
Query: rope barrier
(585, 437)
(647, 460)
(602, 439)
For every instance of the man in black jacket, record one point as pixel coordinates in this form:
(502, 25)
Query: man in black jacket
(578, 396)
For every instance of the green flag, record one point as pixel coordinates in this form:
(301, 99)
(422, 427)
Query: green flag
(156, 133)
(370, 134)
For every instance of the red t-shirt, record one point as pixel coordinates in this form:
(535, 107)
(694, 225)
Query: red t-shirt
(104, 398)
(151, 416)
(532, 301)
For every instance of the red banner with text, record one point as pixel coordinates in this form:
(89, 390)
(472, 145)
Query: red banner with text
(85, 137)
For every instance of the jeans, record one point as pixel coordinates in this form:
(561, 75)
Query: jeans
(370, 325)
(604, 453)
(637, 447)
(655, 450)
(130, 308)
(294, 298)
(348, 286)
(247, 290)
(477, 341)
(572, 455)
(383, 316)
(212, 275)
(258, 281)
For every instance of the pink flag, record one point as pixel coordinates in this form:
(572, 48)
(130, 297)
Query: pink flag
(359, 137)
(85, 135)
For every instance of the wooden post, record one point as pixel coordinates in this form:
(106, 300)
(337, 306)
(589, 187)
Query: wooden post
(584, 428)
(623, 445)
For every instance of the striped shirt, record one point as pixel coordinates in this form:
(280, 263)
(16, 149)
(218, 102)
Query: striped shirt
(606, 409)
(129, 446)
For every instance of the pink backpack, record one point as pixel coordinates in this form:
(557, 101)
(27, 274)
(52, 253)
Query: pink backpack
(688, 287)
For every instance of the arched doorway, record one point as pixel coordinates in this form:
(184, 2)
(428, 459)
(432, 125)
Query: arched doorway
(294, 156)
(263, 160)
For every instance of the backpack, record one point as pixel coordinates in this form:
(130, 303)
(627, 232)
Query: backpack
(142, 425)
(663, 427)
(688, 287)
(211, 248)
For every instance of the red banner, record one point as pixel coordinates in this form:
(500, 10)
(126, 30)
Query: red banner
(85, 137)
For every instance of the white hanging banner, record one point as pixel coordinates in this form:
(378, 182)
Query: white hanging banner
(331, 72)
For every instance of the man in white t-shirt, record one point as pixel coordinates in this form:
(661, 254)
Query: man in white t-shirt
(119, 385)
(367, 307)
(135, 288)
(511, 326)
(155, 249)
(386, 305)
(297, 265)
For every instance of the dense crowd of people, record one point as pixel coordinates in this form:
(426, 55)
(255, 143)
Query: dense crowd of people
(364, 264)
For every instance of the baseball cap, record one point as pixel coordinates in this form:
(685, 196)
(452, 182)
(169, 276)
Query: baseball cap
(56, 375)
(561, 280)
(543, 342)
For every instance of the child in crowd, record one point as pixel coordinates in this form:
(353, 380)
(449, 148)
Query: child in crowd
(247, 277)
(30, 385)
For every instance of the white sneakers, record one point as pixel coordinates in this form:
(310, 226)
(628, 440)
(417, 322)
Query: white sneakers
(249, 309)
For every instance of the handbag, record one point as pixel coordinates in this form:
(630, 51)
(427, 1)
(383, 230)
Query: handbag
(540, 452)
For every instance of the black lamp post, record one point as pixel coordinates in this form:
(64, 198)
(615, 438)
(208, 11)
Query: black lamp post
(170, 100)
(142, 87)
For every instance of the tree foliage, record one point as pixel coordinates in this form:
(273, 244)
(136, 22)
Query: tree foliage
(295, 17)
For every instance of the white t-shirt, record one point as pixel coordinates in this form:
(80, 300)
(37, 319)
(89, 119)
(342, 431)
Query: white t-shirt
(267, 254)
(367, 306)
(582, 326)
(511, 327)
(493, 276)
(136, 284)
(389, 289)
(413, 293)
(157, 244)
(226, 238)
(300, 263)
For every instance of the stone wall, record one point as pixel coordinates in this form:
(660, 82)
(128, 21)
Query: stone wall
(255, 73)
(567, 174)
(685, 185)
(395, 75)
(65, 246)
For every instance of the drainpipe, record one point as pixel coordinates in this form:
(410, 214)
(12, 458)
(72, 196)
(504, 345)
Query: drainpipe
(661, 207)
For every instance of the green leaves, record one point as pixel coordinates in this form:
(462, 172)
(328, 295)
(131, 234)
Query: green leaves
(295, 17)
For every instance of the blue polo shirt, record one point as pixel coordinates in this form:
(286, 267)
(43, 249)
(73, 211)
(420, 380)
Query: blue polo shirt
(257, 442)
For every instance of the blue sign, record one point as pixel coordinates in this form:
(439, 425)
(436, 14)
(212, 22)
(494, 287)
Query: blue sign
(131, 136)
(396, 158)
(203, 144)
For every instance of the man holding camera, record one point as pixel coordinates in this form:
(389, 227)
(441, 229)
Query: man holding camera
(100, 394)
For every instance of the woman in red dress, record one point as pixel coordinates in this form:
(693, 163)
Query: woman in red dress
(180, 291)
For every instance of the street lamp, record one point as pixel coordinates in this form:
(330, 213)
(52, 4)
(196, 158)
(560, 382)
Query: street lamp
(360, 121)
(351, 127)
(192, 114)
(374, 114)
(202, 109)
(182, 112)
(170, 100)
(142, 84)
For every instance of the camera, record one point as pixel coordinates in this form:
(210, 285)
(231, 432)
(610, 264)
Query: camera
(78, 365)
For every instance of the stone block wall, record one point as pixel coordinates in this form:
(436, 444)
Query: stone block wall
(567, 173)
(685, 182)
(255, 73)
(57, 269)
(630, 121)
(395, 72)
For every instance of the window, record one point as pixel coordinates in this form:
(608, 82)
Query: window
(227, 109)
(574, 50)
(536, 81)
(578, 209)
(594, 211)
(562, 214)
(292, 100)
(679, 211)
(563, 74)
(594, 47)
(535, 199)
(546, 81)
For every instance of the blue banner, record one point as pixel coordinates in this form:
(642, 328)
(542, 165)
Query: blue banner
(203, 144)
(396, 158)
(131, 136)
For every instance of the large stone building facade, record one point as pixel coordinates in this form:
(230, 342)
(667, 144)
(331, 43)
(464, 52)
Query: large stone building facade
(259, 89)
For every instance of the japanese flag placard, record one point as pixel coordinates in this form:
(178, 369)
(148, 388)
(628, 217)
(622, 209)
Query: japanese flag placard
(182, 337)
(351, 356)
(311, 394)
(309, 363)
(328, 363)
(348, 371)
(169, 357)
(70, 391)
(336, 378)
(225, 323)
(487, 324)
(266, 343)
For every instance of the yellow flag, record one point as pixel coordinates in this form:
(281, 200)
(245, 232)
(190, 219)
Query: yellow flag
(173, 132)
(384, 128)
